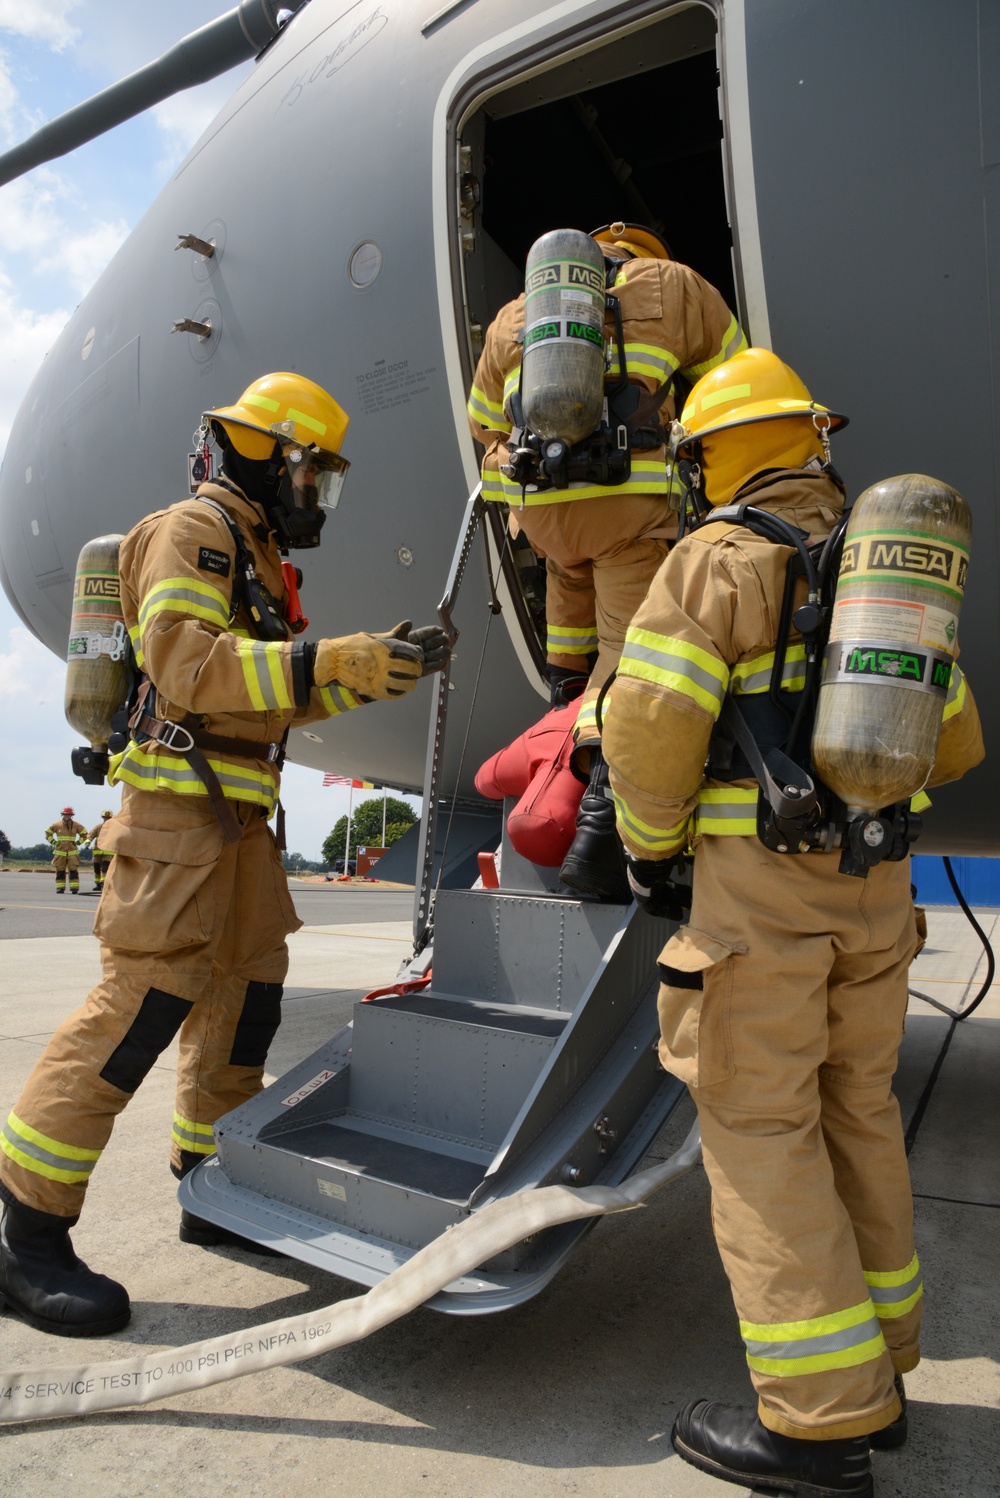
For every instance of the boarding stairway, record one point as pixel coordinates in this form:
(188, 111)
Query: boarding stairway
(529, 1059)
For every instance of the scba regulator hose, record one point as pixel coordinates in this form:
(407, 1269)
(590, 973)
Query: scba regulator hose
(83, 1389)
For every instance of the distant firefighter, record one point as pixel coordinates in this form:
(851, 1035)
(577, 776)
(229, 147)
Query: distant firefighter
(102, 856)
(66, 836)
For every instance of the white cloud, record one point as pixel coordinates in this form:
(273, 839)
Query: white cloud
(83, 256)
(40, 20)
(25, 338)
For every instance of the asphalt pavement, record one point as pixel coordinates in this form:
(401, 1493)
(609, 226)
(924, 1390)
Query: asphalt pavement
(571, 1393)
(30, 907)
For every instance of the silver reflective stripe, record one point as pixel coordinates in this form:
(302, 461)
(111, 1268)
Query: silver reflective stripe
(759, 681)
(667, 661)
(189, 1136)
(162, 770)
(810, 1347)
(45, 1157)
(257, 653)
(159, 597)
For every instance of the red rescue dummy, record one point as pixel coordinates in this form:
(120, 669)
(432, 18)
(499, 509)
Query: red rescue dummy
(536, 768)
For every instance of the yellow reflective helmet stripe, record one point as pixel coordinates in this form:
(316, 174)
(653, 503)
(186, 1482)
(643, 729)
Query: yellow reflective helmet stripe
(678, 664)
(895, 1291)
(44, 1156)
(262, 402)
(788, 1349)
(264, 675)
(309, 422)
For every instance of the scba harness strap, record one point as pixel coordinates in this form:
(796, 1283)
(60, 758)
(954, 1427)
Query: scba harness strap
(796, 812)
(188, 738)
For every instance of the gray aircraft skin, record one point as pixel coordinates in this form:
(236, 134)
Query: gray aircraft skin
(854, 172)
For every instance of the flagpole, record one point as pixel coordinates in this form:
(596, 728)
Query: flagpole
(384, 794)
(347, 847)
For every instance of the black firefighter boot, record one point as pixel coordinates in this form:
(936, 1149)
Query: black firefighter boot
(43, 1281)
(731, 1443)
(891, 1437)
(205, 1234)
(595, 863)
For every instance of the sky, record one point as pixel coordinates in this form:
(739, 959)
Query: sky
(59, 227)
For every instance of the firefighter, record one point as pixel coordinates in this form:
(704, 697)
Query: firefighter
(782, 1001)
(66, 837)
(603, 545)
(196, 908)
(101, 857)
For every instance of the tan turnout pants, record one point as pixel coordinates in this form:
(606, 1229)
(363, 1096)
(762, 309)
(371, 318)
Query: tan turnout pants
(600, 557)
(789, 1050)
(192, 933)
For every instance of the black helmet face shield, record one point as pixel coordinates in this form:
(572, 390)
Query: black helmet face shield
(309, 486)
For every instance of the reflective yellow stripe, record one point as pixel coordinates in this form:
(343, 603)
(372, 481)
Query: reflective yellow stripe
(649, 359)
(263, 401)
(955, 700)
(585, 724)
(337, 699)
(44, 1156)
(193, 1138)
(649, 476)
(755, 675)
(653, 839)
(788, 1349)
(487, 412)
(562, 640)
(152, 771)
(895, 1291)
(920, 801)
(669, 661)
(263, 673)
(137, 650)
(726, 811)
(309, 422)
(185, 595)
(733, 342)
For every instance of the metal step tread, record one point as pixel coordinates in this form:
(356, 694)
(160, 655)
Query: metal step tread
(413, 1166)
(513, 1017)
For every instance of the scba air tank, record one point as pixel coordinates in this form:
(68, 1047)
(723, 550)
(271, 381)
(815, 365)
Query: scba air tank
(562, 379)
(96, 674)
(893, 638)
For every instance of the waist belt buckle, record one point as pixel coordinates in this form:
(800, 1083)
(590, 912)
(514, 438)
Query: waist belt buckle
(173, 736)
(273, 750)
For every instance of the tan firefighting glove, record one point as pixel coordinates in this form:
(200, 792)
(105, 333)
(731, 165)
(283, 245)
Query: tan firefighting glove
(374, 666)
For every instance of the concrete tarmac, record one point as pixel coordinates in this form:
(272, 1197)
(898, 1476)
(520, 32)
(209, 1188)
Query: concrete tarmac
(574, 1392)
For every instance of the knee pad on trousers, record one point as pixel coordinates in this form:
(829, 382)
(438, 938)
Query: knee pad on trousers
(154, 1027)
(257, 1025)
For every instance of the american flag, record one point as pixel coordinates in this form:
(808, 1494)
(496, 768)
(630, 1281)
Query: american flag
(359, 785)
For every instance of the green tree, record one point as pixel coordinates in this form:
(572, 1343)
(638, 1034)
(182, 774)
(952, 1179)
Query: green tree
(366, 826)
(4, 843)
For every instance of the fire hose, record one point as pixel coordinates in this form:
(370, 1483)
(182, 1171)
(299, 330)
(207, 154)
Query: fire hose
(85, 1388)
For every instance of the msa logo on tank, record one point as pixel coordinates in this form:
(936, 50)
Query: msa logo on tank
(101, 585)
(887, 555)
(564, 273)
(559, 327)
(926, 670)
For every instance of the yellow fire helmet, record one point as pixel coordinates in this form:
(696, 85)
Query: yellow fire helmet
(746, 415)
(106, 814)
(309, 426)
(634, 239)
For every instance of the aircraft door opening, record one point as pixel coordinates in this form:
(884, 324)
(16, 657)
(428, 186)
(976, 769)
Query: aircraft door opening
(628, 131)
